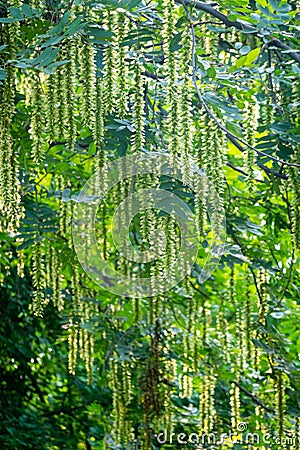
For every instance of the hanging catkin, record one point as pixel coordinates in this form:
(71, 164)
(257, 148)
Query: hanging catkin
(240, 320)
(73, 329)
(110, 64)
(38, 279)
(173, 120)
(185, 106)
(223, 330)
(100, 161)
(235, 405)
(119, 382)
(60, 95)
(122, 80)
(207, 412)
(262, 310)
(138, 110)
(99, 126)
(189, 349)
(296, 433)
(280, 407)
(266, 112)
(71, 98)
(9, 182)
(249, 334)
(294, 188)
(88, 84)
(38, 112)
(250, 120)
(293, 173)
(55, 278)
(213, 156)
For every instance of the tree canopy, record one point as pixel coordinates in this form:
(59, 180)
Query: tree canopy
(215, 88)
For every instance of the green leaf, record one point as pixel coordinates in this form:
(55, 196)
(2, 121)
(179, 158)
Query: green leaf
(52, 41)
(248, 59)
(2, 74)
(7, 20)
(16, 13)
(46, 57)
(244, 50)
(211, 72)
(174, 44)
(100, 33)
(30, 12)
(75, 26)
(26, 244)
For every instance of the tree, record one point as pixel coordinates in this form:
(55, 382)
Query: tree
(213, 87)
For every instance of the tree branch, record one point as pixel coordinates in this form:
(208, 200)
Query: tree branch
(239, 25)
(254, 398)
(238, 142)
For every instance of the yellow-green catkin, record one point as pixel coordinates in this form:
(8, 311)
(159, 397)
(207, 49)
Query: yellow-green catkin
(73, 329)
(120, 383)
(100, 157)
(280, 404)
(73, 346)
(61, 105)
(249, 333)
(223, 330)
(263, 299)
(171, 75)
(169, 17)
(71, 97)
(266, 112)
(138, 109)
(213, 162)
(21, 264)
(38, 113)
(87, 339)
(189, 346)
(172, 246)
(51, 107)
(9, 182)
(235, 405)
(293, 174)
(237, 299)
(55, 278)
(208, 39)
(100, 161)
(262, 311)
(64, 211)
(207, 411)
(296, 433)
(259, 424)
(213, 157)
(122, 80)
(111, 63)
(38, 279)
(185, 106)
(88, 84)
(294, 188)
(250, 120)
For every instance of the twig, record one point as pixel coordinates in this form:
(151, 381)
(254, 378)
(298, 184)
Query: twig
(254, 398)
(233, 138)
(237, 169)
(240, 26)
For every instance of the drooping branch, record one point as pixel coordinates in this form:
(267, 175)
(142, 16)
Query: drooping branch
(253, 397)
(242, 26)
(237, 141)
